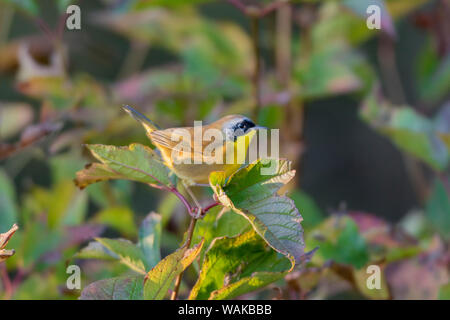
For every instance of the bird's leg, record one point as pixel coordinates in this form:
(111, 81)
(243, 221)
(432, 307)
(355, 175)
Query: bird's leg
(198, 208)
(200, 185)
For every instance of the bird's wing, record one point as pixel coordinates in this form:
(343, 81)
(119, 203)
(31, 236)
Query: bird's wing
(172, 138)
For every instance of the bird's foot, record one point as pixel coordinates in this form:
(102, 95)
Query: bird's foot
(197, 213)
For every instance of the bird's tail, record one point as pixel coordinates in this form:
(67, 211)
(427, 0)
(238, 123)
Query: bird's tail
(148, 124)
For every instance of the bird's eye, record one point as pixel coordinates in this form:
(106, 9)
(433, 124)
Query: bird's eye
(242, 127)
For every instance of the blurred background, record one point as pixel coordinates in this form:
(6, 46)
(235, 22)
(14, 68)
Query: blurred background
(363, 114)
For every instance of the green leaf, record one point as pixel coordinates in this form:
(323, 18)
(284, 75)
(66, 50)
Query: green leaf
(14, 117)
(129, 254)
(37, 240)
(339, 240)
(29, 6)
(95, 172)
(145, 5)
(120, 218)
(407, 129)
(442, 124)
(120, 288)
(63, 4)
(77, 209)
(135, 162)
(312, 214)
(159, 279)
(38, 286)
(167, 207)
(251, 192)
(8, 208)
(219, 222)
(63, 203)
(438, 209)
(245, 285)
(234, 266)
(150, 239)
(318, 71)
(58, 201)
(271, 116)
(434, 74)
(444, 292)
(95, 250)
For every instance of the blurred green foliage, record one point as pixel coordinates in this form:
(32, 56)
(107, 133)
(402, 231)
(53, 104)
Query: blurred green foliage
(56, 109)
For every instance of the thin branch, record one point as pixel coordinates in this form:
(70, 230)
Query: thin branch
(395, 90)
(283, 45)
(134, 60)
(7, 15)
(45, 28)
(29, 136)
(271, 7)
(256, 12)
(7, 285)
(188, 206)
(238, 4)
(257, 71)
(209, 207)
(187, 244)
(61, 26)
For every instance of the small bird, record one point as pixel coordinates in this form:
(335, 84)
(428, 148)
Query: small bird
(193, 166)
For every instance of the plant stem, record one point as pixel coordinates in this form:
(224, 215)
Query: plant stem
(257, 71)
(134, 60)
(238, 4)
(45, 28)
(7, 285)
(188, 206)
(212, 205)
(187, 244)
(283, 45)
(7, 15)
(395, 92)
(258, 11)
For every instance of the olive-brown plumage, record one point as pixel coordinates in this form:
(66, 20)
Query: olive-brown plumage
(194, 164)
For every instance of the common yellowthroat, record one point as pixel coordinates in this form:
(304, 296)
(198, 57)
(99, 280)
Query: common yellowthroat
(195, 163)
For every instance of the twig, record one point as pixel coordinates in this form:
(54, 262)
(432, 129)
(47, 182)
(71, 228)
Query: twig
(188, 206)
(190, 233)
(45, 28)
(207, 208)
(29, 136)
(61, 26)
(271, 7)
(257, 71)
(134, 60)
(6, 281)
(238, 4)
(283, 45)
(7, 18)
(389, 70)
(255, 11)
(255, 14)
